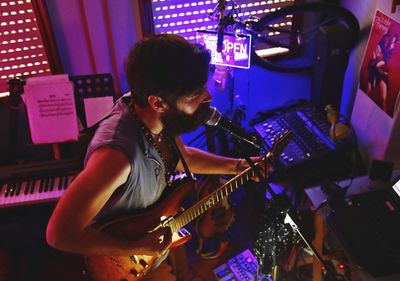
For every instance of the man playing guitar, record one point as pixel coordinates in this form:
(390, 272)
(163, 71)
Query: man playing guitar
(132, 158)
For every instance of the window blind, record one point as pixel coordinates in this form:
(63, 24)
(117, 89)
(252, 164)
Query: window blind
(22, 51)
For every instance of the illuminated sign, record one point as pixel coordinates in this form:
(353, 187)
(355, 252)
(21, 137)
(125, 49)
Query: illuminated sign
(235, 49)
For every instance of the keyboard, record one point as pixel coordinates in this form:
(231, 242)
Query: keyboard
(35, 183)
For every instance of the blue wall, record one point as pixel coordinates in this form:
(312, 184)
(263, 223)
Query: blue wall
(258, 89)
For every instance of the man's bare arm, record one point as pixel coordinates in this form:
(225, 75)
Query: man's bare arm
(69, 226)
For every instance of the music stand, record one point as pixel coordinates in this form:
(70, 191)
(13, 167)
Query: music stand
(16, 89)
(91, 86)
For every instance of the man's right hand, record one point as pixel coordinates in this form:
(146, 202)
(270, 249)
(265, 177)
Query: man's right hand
(154, 243)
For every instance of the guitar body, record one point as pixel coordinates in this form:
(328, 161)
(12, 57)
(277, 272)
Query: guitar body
(165, 212)
(218, 218)
(133, 227)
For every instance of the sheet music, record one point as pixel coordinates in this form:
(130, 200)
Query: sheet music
(51, 109)
(96, 108)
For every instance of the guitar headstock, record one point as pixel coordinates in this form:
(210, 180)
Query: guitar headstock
(280, 141)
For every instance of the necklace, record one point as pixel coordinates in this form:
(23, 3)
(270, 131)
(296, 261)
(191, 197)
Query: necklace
(168, 167)
(157, 137)
(156, 141)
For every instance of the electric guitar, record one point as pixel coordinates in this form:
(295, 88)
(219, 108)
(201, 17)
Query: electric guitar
(165, 212)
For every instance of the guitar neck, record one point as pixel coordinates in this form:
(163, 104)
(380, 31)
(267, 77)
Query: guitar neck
(211, 200)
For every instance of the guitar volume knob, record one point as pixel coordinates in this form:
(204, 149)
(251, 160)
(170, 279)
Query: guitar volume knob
(134, 272)
(143, 263)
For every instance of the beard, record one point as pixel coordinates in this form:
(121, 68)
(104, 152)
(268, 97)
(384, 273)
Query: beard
(177, 122)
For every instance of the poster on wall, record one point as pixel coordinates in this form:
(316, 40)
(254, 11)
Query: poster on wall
(380, 68)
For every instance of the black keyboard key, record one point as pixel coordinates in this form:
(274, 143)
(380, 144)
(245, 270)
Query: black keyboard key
(60, 183)
(46, 184)
(18, 188)
(27, 187)
(41, 186)
(33, 185)
(10, 187)
(66, 181)
(51, 187)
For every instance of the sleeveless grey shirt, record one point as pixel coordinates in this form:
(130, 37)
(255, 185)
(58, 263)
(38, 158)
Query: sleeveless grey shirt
(146, 180)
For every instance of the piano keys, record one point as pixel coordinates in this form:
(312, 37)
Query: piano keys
(29, 191)
(36, 183)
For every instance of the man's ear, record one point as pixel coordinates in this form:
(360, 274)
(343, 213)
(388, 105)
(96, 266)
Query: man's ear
(157, 103)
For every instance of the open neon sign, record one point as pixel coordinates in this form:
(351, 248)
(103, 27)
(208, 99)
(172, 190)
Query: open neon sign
(235, 51)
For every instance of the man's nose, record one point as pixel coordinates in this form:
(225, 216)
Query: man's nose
(207, 97)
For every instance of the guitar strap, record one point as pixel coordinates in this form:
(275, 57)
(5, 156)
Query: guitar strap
(128, 100)
(178, 152)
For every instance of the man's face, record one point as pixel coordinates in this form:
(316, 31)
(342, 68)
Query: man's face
(188, 114)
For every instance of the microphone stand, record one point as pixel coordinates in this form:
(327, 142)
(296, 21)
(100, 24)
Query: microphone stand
(252, 141)
(283, 207)
(220, 10)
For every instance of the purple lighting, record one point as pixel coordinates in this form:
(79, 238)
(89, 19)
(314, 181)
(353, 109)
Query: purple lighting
(235, 51)
(182, 17)
(185, 17)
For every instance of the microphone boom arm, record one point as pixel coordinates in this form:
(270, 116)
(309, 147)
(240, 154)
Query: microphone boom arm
(249, 139)
(216, 119)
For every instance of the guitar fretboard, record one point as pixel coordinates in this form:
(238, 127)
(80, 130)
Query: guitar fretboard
(211, 200)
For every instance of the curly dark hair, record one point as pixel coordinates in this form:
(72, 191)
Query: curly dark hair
(167, 66)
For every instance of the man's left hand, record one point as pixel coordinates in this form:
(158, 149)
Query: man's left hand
(262, 165)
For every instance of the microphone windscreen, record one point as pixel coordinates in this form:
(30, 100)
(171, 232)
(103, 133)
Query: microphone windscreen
(214, 116)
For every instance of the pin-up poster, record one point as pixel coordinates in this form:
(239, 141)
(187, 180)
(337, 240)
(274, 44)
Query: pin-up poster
(380, 69)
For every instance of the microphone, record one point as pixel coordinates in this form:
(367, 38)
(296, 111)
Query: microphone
(215, 118)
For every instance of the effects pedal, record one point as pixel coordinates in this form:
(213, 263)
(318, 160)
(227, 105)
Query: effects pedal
(242, 267)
